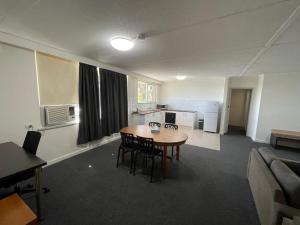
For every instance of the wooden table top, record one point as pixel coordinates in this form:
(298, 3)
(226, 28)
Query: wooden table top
(164, 137)
(286, 133)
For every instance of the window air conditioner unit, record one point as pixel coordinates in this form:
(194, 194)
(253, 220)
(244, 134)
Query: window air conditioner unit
(59, 114)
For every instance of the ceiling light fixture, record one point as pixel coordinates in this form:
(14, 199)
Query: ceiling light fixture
(122, 43)
(180, 77)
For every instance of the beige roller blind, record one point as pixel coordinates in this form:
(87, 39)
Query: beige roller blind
(58, 80)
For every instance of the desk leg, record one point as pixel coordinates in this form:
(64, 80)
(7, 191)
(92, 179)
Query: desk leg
(165, 160)
(177, 152)
(38, 192)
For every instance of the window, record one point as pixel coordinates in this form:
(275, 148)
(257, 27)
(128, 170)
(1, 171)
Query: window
(146, 92)
(58, 80)
(142, 92)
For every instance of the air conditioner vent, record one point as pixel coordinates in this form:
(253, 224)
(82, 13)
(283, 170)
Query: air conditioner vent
(58, 114)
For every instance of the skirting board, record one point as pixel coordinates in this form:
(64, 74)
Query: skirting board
(90, 147)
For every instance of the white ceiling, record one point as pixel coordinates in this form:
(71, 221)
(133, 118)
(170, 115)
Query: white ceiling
(191, 37)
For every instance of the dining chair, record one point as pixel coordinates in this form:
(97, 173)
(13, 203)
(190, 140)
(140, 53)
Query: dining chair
(152, 124)
(30, 145)
(146, 149)
(127, 145)
(174, 127)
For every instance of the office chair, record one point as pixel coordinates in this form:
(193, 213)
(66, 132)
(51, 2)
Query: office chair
(174, 127)
(30, 145)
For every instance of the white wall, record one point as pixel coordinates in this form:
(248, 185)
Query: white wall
(254, 108)
(20, 106)
(19, 102)
(18, 93)
(193, 94)
(202, 89)
(280, 105)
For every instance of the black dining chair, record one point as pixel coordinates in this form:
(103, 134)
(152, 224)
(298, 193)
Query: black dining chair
(147, 150)
(30, 145)
(152, 124)
(174, 127)
(127, 145)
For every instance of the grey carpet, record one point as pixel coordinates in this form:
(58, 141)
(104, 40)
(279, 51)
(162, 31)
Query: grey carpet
(205, 187)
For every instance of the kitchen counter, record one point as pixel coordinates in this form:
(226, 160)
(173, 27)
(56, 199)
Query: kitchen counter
(146, 112)
(163, 110)
(179, 110)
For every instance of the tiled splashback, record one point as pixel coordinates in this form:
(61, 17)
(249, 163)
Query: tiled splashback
(146, 106)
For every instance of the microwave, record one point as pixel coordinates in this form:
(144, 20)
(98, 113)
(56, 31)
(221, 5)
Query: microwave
(158, 106)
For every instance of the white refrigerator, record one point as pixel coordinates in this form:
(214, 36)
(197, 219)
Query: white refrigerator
(211, 117)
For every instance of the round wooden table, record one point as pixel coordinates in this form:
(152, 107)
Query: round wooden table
(166, 137)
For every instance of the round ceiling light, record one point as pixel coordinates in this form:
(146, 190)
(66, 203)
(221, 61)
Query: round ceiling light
(180, 77)
(122, 43)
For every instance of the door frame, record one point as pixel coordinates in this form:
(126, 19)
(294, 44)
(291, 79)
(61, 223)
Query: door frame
(228, 104)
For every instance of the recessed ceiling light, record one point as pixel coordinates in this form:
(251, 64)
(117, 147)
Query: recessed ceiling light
(122, 43)
(180, 77)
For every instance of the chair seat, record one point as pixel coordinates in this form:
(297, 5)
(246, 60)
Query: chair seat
(129, 148)
(13, 210)
(157, 152)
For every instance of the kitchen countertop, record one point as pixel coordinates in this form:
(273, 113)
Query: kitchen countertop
(163, 110)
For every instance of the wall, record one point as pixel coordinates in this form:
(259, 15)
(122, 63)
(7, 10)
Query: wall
(202, 89)
(193, 94)
(18, 93)
(254, 108)
(280, 105)
(19, 102)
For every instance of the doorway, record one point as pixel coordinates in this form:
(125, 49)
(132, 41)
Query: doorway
(239, 110)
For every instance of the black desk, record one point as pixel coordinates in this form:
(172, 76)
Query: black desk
(14, 160)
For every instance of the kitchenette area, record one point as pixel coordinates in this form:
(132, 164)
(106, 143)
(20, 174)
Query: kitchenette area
(206, 120)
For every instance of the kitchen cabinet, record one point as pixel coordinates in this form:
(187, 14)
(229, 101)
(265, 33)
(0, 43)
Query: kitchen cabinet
(141, 119)
(185, 119)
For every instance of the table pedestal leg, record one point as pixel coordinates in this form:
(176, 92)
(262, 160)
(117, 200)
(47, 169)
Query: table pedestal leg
(38, 192)
(165, 160)
(177, 152)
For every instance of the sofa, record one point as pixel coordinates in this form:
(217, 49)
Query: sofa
(274, 203)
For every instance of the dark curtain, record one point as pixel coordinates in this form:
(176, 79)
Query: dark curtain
(114, 102)
(89, 126)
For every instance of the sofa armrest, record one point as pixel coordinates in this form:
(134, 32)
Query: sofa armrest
(284, 210)
(294, 221)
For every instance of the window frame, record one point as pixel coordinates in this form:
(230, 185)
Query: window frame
(154, 86)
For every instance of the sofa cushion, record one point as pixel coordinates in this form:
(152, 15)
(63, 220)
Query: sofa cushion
(289, 181)
(267, 155)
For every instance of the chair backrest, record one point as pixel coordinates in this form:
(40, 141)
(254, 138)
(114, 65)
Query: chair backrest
(127, 139)
(171, 126)
(32, 141)
(146, 145)
(152, 124)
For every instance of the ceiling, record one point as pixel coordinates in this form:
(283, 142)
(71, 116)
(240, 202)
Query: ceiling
(191, 37)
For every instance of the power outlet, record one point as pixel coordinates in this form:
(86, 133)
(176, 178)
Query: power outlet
(29, 126)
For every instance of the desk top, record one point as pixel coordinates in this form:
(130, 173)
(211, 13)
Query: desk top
(14, 159)
(286, 133)
(166, 136)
